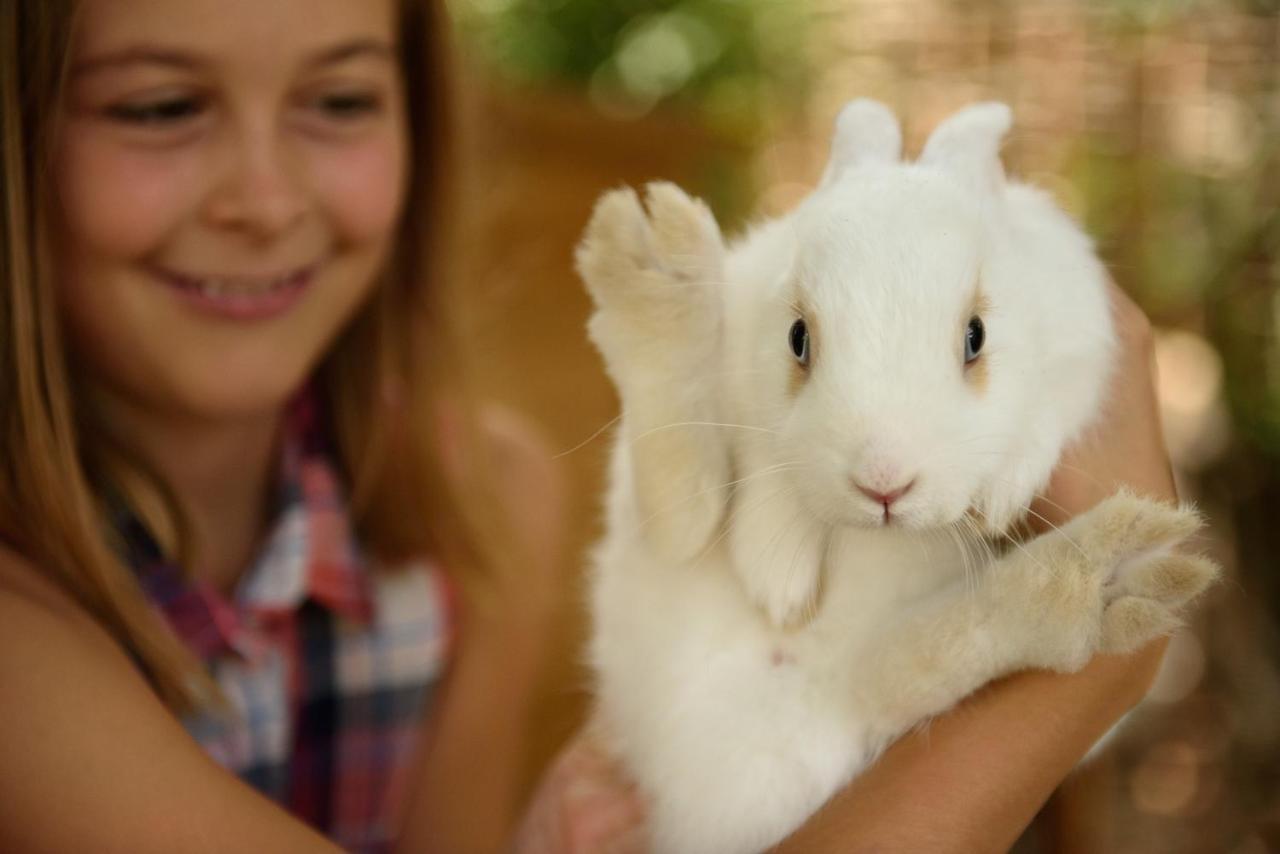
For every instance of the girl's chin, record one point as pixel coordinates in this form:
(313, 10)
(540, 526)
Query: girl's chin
(233, 396)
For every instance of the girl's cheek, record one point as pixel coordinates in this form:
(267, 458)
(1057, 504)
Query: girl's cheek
(362, 186)
(123, 203)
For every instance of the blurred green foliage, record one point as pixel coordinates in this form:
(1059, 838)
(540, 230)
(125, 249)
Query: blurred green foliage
(1154, 13)
(1199, 248)
(726, 60)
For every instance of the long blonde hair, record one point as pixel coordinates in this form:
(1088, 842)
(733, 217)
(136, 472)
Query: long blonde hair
(380, 383)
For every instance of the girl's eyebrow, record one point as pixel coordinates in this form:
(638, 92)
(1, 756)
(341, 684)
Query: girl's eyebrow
(138, 55)
(374, 48)
(187, 61)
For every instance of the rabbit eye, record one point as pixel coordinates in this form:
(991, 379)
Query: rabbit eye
(799, 338)
(974, 336)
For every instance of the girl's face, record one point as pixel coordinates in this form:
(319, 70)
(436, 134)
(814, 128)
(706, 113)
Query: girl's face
(231, 175)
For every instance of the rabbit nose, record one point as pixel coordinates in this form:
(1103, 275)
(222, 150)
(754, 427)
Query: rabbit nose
(886, 498)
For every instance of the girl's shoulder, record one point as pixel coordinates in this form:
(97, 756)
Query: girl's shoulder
(80, 704)
(23, 586)
(43, 626)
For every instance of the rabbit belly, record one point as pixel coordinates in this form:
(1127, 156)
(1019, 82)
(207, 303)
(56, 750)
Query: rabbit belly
(730, 729)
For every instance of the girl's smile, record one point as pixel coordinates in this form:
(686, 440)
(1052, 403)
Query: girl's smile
(242, 296)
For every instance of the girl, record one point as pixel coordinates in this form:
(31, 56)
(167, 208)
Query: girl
(225, 506)
(220, 366)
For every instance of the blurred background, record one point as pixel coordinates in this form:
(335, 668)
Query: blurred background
(1156, 122)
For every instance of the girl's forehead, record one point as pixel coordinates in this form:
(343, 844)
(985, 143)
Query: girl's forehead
(220, 31)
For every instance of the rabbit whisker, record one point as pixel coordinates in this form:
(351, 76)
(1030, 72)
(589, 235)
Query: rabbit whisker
(675, 424)
(734, 512)
(589, 439)
(1031, 557)
(774, 469)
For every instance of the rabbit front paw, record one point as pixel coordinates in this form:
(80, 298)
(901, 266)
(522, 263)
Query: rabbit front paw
(1111, 580)
(655, 273)
(1149, 583)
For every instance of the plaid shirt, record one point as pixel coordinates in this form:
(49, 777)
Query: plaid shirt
(328, 666)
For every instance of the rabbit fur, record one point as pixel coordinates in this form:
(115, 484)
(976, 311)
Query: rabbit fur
(762, 626)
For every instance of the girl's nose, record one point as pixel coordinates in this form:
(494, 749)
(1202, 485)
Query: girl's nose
(260, 194)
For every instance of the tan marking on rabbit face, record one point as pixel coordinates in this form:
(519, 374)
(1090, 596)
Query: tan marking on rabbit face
(976, 373)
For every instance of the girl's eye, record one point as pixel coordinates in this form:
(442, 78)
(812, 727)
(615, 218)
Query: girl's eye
(157, 113)
(799, 338)
(346, 106)
(973, 339)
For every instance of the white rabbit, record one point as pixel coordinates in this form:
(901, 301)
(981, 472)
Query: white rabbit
(822, 423)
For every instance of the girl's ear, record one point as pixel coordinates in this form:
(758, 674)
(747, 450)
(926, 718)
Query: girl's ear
(967, 145)
(866, 131)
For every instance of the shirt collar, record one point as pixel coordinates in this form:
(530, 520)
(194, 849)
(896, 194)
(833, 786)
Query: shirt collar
(310, 553)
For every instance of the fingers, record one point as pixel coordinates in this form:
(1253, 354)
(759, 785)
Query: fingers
(585, 805)
(1133, 328)
(601, 816)
(602, 812)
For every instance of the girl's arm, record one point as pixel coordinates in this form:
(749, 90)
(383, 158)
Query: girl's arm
(467, 795)
(90, 760)
(473, 776)
(973, 779)
(473, 770)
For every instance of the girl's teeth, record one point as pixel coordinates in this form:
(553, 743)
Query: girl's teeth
(230, 287)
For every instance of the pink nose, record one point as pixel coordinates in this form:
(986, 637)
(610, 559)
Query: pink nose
(886, 498)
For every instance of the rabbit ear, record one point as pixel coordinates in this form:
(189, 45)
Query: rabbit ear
(968, 145)
(866, 130)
